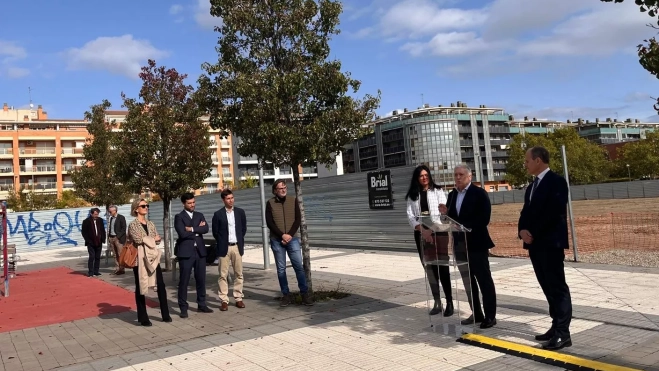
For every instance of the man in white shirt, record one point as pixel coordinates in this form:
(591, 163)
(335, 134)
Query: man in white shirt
(229, 228)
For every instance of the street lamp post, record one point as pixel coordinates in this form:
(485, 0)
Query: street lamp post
(629, 174)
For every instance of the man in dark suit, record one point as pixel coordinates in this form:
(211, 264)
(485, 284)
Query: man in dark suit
(93, 232)
(191, 253)
(116, 237)
(543, 228)
(470, 206)
(229, 229)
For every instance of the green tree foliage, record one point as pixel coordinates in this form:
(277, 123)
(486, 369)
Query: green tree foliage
(29, 200)
(96, 181)
(648, 53)
(275, 87)
(586, 161)
(164, 145)
(248, 182)
(641, 156)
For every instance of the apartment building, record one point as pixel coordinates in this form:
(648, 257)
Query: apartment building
(37, 153)
(245, 167)
(440, 137)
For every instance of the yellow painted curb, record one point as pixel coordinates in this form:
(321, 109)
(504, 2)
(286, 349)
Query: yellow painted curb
(545, 356)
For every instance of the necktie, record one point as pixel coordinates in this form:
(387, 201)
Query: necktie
(535, 185)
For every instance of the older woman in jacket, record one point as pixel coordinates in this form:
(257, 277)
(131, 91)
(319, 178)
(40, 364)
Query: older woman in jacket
(145, 238)
(424, 196)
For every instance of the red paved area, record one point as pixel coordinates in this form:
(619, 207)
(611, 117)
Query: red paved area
(50, 296)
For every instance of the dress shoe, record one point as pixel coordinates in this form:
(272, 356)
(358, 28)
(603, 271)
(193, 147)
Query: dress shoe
(448, 312)
(240, 304)
(184, 314)
(167, 319)
(488, 322)
(146, 323)
(224, 307)
(205, 309)
(97, 274)
(557, 342)
(470, 320)
(437, 309)
(546, 336)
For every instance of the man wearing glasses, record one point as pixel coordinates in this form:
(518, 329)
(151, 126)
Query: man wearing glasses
(283, 218)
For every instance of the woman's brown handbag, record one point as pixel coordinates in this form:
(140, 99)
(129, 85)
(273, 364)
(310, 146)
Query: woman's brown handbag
(128, 256)
(436, 250)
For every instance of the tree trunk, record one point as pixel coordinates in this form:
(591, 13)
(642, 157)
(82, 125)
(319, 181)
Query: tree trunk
(166, 235)
(304, 236)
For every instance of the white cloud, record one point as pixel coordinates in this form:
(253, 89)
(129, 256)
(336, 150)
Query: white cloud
(203, 17)
(17, 72)
(10, 52)
(418, 18)
(510, 31)
(175, 9)
(121, 55)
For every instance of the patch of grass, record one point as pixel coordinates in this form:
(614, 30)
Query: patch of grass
(322, 294)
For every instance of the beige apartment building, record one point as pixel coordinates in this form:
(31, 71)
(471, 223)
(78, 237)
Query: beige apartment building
(37, 153)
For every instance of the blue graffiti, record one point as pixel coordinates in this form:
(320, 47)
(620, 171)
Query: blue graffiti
(58, 231)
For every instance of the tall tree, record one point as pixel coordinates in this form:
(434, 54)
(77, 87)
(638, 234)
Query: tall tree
(96, 181)
(641, 156)
(275, 87)
(164, 144)
(648, 53)
(586, 161)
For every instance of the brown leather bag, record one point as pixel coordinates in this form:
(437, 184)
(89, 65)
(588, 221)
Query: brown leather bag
(436, 250)
(128, 256)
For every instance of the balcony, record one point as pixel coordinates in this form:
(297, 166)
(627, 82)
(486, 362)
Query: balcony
(71, 152)
(225, 144)
(248, 159)
(6, 187)
(38, 169)
(6, 152)
(70, 167)
(214, 159)
(45, 151)
(213, 144)
(6, 169)
(226, 159)
(40, 187)
(68, 185)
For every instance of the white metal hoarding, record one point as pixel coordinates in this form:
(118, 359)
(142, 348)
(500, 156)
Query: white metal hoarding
(52, 229)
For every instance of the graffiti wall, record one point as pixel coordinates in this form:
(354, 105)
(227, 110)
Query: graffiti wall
(51, 229)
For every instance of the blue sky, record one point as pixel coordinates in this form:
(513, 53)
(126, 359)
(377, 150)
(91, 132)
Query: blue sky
(557, 59)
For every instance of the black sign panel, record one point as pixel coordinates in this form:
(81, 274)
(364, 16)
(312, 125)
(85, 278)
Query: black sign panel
(380, 194)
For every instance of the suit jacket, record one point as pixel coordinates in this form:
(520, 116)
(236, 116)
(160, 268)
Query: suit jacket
(221, 230)
(475, 213)
(87, 230)
(185, 244)
(545, 215)
(119, 228)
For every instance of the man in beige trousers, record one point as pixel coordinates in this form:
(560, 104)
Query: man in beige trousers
(116, 237)
(229, 229)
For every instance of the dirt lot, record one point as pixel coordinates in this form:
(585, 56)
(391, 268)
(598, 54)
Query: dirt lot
(510, 212)
(601, 225)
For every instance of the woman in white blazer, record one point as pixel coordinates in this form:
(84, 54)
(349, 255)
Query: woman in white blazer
(425, 196)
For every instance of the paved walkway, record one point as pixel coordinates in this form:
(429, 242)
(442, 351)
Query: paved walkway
(382, 325)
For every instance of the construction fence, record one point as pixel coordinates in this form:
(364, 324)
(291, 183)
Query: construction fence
(603, 191)
(338, 216)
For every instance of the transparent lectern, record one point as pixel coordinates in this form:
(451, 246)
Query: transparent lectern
(444, 244)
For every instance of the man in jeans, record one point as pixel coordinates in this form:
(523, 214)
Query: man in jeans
(283, 219)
